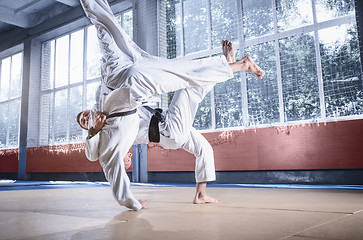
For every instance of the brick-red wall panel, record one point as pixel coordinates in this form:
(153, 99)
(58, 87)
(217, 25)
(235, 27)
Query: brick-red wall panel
(60, 158)
(332, 145)
(9, 160)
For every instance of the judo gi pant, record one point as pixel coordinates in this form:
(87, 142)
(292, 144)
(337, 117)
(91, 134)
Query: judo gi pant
(178, 132)
(125, 65)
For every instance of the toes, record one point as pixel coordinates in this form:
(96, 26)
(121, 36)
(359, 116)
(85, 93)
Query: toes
(226, 43)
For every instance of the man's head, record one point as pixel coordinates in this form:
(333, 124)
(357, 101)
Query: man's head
(83, 118)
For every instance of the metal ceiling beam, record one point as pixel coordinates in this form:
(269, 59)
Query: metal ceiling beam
(72, 3)
(26, 6)
(10, 17)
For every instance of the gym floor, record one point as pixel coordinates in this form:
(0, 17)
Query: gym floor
(87, 210)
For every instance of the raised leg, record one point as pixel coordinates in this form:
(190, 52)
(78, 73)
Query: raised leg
(245, 65)
(117, 48)
(248, 65)
(228, 51)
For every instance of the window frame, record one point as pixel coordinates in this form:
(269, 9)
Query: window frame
(274, 37)
(53, 89)
(8, 100)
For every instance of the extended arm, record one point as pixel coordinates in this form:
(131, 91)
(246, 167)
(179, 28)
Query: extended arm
(93, 138)
(115, 140)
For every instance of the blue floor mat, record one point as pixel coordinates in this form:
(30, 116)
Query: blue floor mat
(11, 185)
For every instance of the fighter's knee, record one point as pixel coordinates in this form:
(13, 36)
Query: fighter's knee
(206, 150)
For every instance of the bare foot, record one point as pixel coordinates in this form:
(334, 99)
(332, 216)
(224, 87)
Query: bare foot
(248, 65)
(228, 51)
(143, 203)
(202, 199)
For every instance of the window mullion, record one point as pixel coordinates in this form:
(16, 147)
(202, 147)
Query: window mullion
(122, 19)
(53, 96)
(242, 75)
(2, 100)
(1, 80)
(19, 97)
(318, 66)
(9, 101)
(182, 46)
(158, 19)
(8, 124)
(10, 73)
(213, 109)
(278, 66)
(84, 90)
(69, 90)
(209, 29)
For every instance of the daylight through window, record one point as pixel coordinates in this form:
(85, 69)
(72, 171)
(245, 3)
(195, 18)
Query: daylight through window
(308, 48)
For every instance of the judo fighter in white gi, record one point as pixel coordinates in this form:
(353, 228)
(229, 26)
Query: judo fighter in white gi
(129, 77)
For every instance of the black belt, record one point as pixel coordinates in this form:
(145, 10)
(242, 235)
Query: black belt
(156, 113)
(154, 134)
(121, 114)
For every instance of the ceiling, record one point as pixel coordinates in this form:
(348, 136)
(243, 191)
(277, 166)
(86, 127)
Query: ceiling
(24, 14)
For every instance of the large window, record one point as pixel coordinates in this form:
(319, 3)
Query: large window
(70, 76)
(308, 48)
(10, 98)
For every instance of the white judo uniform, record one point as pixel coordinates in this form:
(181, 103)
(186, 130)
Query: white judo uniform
(177, 130)
(129, 77)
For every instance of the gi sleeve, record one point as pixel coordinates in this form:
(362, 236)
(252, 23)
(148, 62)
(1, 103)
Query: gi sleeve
(116, 138)
(96, 106)
(91, 149)
(113, 167)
